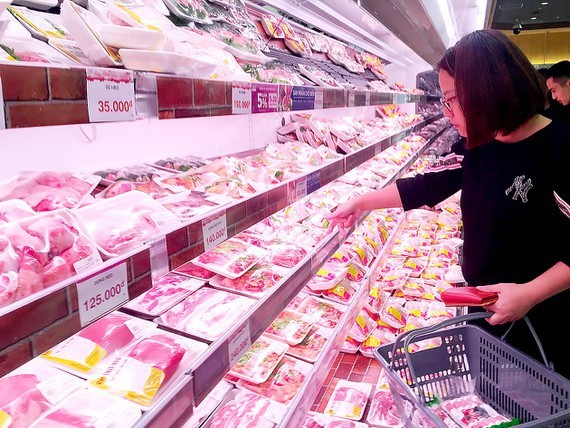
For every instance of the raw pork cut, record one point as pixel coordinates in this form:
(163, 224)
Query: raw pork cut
(62, 266)
(58, 232)
(110, 332)
(21, 400)
(159, 351)
(245, 410)
(30, 275)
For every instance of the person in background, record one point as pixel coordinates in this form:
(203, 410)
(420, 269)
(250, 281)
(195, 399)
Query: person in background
(550, 105)
(558, 84)
(515, 193)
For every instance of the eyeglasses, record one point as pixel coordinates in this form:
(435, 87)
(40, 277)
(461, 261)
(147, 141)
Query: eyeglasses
(447, 102)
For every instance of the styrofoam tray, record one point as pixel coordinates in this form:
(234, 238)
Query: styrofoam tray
(260, 360)
(120, 36)
(353, 410)
(151, 60)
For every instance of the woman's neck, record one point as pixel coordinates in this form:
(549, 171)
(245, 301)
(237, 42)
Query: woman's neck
(531, 126)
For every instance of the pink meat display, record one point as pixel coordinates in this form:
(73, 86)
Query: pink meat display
(245, 410)
(159, 351)
(20, 399)
(62, 266)
(110, 332)
(383, 410)
(30, 274)
(58, 232)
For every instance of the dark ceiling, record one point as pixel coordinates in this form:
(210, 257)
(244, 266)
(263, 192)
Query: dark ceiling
(547, 14)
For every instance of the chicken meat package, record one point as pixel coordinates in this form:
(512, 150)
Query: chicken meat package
(167, 290)
(327, 277)
(144, 371)
(190, 269)
(124, 222)
(93, 347)
(318, 420)
(206, 314)
(312, 345)
(254, 283)
(259, 360)
(48, 190)
(40, 251)
(348, 400)
(14, 210)
(31, 391)
(91, 408)
(283, 383)
(231, 259)
(246, 409)
(290, 327)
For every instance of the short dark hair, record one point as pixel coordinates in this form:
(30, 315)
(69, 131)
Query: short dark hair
(559, 72)
(497, 87)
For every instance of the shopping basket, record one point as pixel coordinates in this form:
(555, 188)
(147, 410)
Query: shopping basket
(510, 381)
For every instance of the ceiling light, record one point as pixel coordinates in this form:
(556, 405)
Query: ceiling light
(533, 17)
(447, 21)
(544, 3)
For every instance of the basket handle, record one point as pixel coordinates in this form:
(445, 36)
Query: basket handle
(409, 337)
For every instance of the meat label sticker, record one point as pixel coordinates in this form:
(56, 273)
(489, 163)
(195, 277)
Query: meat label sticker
(215, 231)
(367, 99)
(241, 98)
(238, 344)
(319, 98)
(351, 99)
(110, 95)
(101, 293)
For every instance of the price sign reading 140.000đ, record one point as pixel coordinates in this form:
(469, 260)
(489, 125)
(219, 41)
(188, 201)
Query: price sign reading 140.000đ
(110, 95)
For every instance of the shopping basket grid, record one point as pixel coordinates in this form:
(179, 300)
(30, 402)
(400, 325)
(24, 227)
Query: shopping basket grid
(464, 358)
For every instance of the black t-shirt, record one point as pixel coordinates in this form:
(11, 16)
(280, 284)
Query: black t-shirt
(515, 203)
(557, 111)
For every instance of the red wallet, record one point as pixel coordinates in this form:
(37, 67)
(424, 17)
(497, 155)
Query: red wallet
(467, 296)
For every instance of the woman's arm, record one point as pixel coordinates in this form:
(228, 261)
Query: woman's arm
(515, 300)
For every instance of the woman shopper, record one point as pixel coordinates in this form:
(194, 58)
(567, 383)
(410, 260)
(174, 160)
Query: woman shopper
(511, 168)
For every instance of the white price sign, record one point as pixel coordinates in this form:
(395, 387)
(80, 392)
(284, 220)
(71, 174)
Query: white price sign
(102, 292)
(300, 188)
(2, 114)
(239, 343)
(110, 95)
(351, 99)
(367, 98)
(319, 98)
(215, 231)
(241, 98)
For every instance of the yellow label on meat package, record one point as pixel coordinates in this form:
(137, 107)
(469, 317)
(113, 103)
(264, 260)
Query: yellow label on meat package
(5, 419)
(76, 352)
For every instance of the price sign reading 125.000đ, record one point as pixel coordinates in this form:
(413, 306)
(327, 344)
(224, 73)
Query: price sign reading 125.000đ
(110, 95)
(102, 292)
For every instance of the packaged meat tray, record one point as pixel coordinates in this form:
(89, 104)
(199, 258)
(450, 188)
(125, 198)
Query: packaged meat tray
(39, 251)
(311, 346)
(270, 24)
(143, 372)
(383, 411)
(166, 291)
(124, 185)
(180, 164)
(120, 36)
(348, 400)
(207, 314)
(326, 314)
(191, 10)
(97, 344)
(91, 408)
(283, 383)
(318, 420)
(246, 409)
(190, 269)
(32, 390)
(254, 283)
(42, 25)
(125, 222)
(190, 204)
(232, 258)
(203, 410)
(290, 327)
(343, 292)
(13, 210)
(327, 277)
(49, 191)
(259, 360)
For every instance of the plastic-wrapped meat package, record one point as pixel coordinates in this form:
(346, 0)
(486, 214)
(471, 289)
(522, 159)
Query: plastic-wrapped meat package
(32, 390)
(259, 360)
(166, 292)
(301, 235)
(207, 313)
(378, 337)
(194, 271)
(90, 408)
(283, 383)
(124, 222)
(290, 327)
(194, 180)
(312, 345)
(255, 282)
(48, 191)
(318, 420)
(470, 411)
(286, 255)
(39, 251)
(348, 400)
(383, 410)
(144, 370)
(247, 409)
(325, 313)
(363, 325)
(187, 205)
(327, 277)
(234, 187)
(203, 410)
(232, 258)
(97, 343)
(124, 186)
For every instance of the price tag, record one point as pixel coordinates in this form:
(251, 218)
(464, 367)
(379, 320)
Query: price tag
(313, 181)
(239, 343)
(215, 231)
(367, 99)
(110, 95)
(303, 98)
(351, 98)
(300, 188)
(241, 98)
(264, 98)
(319, 98)
(2, 113)
(102, 292)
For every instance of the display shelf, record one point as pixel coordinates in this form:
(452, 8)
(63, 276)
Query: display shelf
(212, 366)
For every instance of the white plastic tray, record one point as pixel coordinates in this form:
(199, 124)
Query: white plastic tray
(120, 36)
